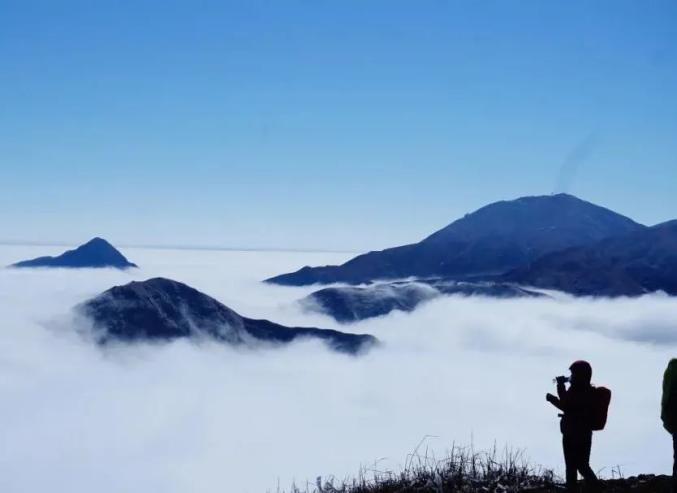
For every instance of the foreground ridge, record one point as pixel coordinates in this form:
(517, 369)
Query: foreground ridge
(464, 470)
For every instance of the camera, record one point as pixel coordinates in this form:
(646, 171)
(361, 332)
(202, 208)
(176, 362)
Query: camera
(561, 379)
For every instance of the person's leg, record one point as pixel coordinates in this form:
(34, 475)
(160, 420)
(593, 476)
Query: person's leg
(674, 464)
(568, 445)
(584, 445)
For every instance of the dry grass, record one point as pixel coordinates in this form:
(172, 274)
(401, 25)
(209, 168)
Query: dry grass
(462, 470)
(465, 470)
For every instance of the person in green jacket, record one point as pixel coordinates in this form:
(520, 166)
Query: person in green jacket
(669, 412)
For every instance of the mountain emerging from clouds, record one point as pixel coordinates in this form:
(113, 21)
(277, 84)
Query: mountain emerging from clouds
(489, 242)
(642, 262)
(353, 303)
(96, 253)
(161, 309)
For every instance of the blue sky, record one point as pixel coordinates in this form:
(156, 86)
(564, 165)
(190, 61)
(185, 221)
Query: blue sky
(317, 124)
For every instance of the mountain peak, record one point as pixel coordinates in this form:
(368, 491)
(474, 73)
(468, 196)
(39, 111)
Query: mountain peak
(541, 219)
(164, 309)
(97, 243)
(97, 240)
(490, 241)
(96, 253)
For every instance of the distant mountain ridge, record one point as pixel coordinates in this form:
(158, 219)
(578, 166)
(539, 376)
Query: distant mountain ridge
(96, 253)
(162, 309)
(631, 265)
(489, 242)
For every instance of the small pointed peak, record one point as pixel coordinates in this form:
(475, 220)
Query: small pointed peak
(97, 240)
(97, 252)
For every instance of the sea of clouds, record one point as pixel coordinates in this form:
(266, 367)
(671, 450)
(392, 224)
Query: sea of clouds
(185, 418)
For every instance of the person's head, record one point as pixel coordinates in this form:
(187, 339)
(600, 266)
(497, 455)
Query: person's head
(672, 365)
(581, 373)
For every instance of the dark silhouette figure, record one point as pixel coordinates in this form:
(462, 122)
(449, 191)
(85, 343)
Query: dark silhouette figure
(576, 404)
(669, 412)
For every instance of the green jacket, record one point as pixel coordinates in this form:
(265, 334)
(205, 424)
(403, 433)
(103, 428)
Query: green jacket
(669, 400)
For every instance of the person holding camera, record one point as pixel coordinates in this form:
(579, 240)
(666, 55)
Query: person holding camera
(577, 405)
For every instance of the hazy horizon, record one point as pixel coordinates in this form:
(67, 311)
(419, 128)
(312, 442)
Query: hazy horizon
(259, 248)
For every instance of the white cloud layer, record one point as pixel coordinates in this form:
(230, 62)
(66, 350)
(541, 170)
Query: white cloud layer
(185, 418)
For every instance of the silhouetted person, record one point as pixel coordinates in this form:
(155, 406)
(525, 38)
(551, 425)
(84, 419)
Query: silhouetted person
(576, 424)
(669, 412)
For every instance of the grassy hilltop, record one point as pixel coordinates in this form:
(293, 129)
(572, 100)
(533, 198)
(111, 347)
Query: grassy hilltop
(467, 471)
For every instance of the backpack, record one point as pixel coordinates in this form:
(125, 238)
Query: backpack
(601, 397)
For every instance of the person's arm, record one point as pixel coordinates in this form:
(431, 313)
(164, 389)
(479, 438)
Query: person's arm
(554, 401)
(562, 396)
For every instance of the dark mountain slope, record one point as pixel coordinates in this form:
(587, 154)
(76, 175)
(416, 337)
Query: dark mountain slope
(642, 262)
(95, 253)
(163, 309)
(491, 241)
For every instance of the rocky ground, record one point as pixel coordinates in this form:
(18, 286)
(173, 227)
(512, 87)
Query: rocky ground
(635, 484)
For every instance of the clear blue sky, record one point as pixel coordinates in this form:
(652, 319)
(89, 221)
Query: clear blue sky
(326, 124)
